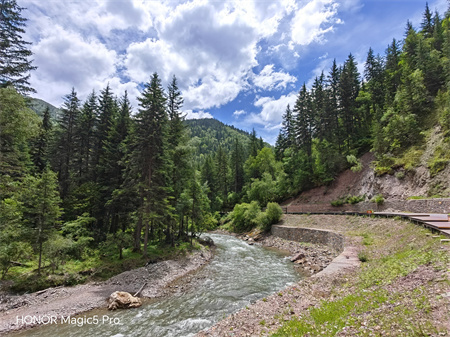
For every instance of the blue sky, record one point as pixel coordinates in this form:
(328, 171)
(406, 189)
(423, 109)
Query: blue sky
(241, 62)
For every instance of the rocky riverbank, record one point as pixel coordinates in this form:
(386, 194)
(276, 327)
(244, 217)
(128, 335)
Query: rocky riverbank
(343, 282)
(309, 258)
(70, 301)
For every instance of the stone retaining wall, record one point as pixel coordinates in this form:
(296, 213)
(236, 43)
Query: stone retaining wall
(414, 206)
(318, 236)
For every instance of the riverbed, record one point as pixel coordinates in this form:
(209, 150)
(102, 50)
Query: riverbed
(237, 276)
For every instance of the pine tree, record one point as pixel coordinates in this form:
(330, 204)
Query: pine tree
(223, 173)
(438, 38)
(237, 166)
(14, 54)
(335, 134)
(348, 89)
(254, 144)
(303, 121)
(410, 48)
(66, 144)
(86, 138)
(322, 120)
(427, 23)
(149, 159)
(209, 178)
(41, 146)
(41, 201)
(107, 113)
(112, 165)
(18, 125)
(177, 139)
(392, 71)
(286, 137)
(374, 75)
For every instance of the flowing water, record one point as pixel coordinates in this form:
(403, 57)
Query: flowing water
(238, 275)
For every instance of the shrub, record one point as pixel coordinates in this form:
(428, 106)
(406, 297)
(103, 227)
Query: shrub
(354, 199)
(271, 216)
(274, 212)
(350, 199)
(338, 202)
(378, 199)
(247, 216)
(244, 216)
(362, 256)
(356, 165)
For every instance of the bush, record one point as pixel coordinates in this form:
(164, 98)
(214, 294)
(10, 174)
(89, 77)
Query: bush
(354, 199)
(356, 165)
(273, 212)
(271, 216)
(350, 199)
(363, 257)
(338, 202)
(378, 199)
(244, 216)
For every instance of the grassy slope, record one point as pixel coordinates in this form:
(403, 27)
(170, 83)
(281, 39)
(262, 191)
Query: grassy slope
(399, 291)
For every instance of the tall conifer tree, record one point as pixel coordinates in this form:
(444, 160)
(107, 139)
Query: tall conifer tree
(149, 159)
(15, 64)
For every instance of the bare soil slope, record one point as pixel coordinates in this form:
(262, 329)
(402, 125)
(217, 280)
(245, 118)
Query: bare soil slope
(417, 182)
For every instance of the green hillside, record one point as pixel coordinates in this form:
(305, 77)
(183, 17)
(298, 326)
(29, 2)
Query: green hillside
(213, 134)
(39, 106)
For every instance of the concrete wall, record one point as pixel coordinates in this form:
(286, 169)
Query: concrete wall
(415, 206)
(333, 240)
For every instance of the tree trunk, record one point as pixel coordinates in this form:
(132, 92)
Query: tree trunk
(145, 239)
(40, 257)
(137, 235)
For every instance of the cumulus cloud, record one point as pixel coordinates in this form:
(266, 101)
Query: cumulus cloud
(239, 113)
(272, 109)
(197, 115)
(65, 59)
(210, 50)
(212, 47)
(312, 21)
(268, 79)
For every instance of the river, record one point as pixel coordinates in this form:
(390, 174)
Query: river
(238, 275)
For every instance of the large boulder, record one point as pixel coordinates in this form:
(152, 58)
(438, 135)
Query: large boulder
(123, 300)
(206, 241)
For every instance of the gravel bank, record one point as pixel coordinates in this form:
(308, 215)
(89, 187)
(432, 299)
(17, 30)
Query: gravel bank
(70, 301)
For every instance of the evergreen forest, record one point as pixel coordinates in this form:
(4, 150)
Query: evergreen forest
(100, 180)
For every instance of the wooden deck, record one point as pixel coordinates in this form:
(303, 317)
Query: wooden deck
(436, 222)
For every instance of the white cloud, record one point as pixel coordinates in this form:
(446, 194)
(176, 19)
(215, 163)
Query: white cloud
(211, 46)
(270, 80)
(66, 59)
(272, 109)
(197, 115)
(210, 50)
(239, 113)
(313, 21)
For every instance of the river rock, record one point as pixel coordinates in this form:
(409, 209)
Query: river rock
(298, 257)
(123, 300)
(206, 241)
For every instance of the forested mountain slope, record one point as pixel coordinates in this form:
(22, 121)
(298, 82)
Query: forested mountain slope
(38, 105)
(213, 133)
(398, 109)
